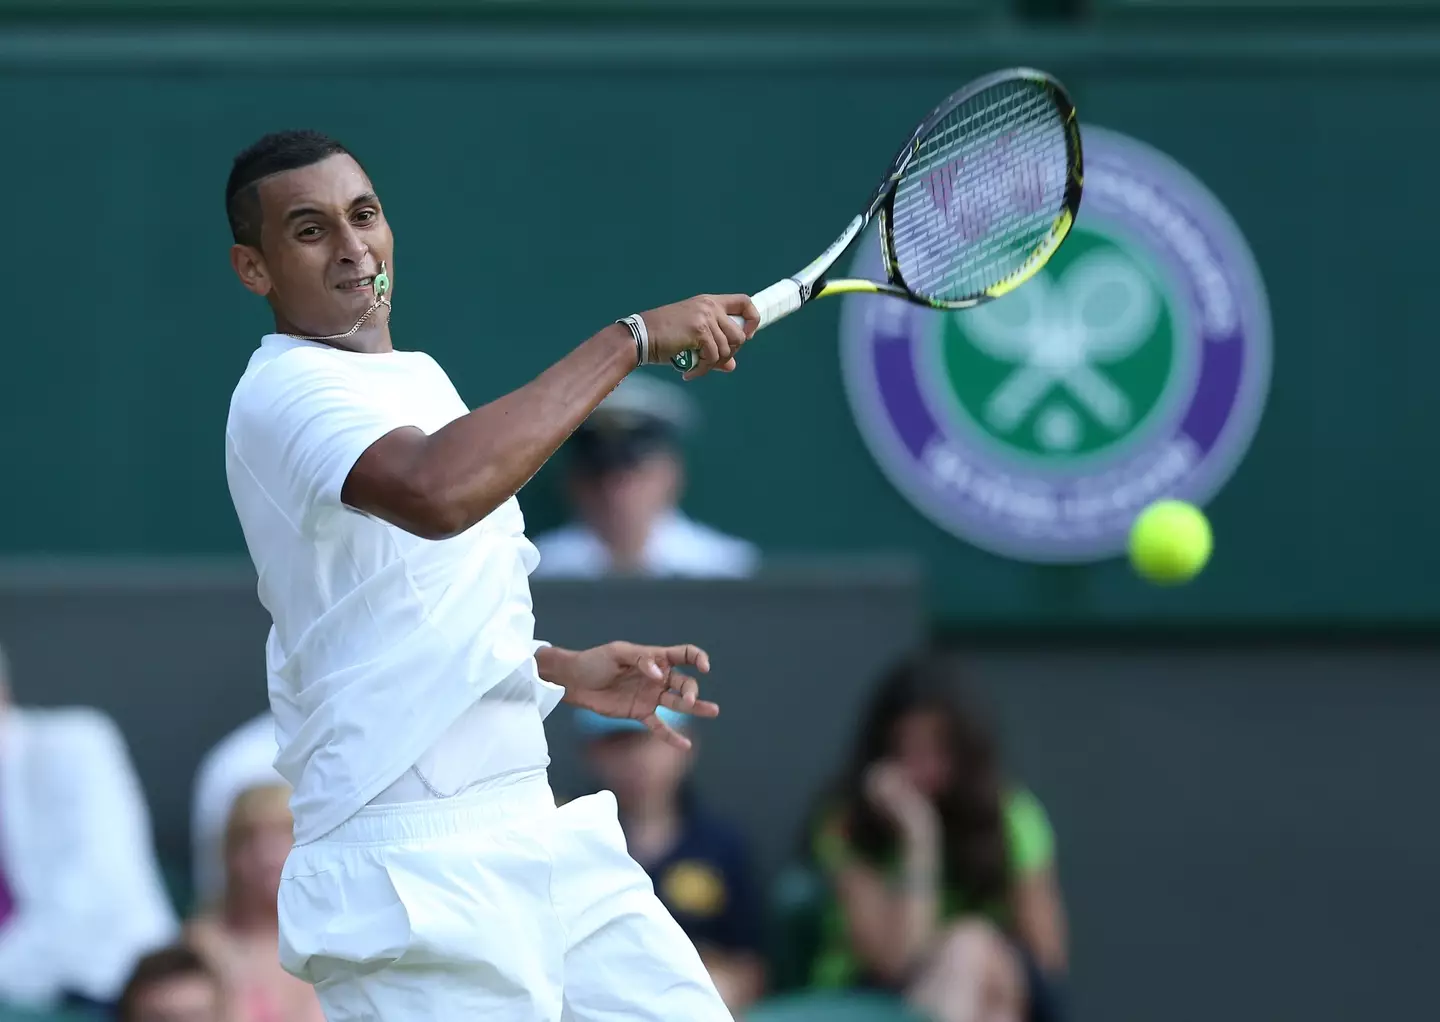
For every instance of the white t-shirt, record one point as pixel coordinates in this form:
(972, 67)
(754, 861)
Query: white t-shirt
(381, 640)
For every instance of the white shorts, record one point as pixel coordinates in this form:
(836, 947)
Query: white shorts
(494, 905)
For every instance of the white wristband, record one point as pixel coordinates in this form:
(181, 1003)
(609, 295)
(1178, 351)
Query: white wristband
(636, 323)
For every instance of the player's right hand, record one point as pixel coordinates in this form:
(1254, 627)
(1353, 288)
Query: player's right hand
(702, 325)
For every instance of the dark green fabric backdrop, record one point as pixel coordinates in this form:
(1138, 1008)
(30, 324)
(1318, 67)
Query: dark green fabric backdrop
(543, 181)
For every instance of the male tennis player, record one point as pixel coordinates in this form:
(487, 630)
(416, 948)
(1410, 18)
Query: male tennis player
(433, 877)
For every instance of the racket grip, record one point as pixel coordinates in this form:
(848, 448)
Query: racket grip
(776, 302)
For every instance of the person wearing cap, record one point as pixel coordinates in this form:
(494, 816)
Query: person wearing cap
(625, 479)
(699, 863)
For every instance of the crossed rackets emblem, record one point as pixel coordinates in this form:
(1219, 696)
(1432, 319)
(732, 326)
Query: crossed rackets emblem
(1058, 332)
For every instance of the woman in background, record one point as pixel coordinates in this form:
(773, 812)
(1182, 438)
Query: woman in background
(240, 937)
(943, 874)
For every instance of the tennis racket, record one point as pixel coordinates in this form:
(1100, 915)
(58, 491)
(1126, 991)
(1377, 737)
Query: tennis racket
(974, 204)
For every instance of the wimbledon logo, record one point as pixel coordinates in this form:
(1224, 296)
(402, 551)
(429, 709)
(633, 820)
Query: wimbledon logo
(1134, 367)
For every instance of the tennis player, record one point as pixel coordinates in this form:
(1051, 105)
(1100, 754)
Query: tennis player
(432, 877)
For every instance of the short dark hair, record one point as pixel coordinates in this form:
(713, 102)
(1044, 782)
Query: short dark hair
(277, 152)
(157, 967)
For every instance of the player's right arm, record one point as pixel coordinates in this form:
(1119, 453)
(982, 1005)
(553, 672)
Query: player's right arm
(439, 485)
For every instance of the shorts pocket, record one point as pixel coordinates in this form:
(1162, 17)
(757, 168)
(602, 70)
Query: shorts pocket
(478, 902)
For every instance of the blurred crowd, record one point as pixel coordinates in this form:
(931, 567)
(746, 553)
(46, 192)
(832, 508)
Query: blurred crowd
(930, 872)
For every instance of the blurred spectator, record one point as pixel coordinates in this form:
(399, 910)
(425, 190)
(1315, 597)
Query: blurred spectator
(241, 938)
(943, 874)
(698, 863)
(242, 759)
(172, 985)
(81, 893)
(625, 481)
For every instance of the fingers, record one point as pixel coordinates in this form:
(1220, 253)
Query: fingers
(686, 688)
(729, 337)
(662, 658)
(721, 346)
(734, 332)
(665, 732)
(689, 655)
(650, 668)
(742, 306)
(697, 708)
(702, 369)
(678, 690)
(682, 694)
(717, 328)
(713, 327)
(707, 350)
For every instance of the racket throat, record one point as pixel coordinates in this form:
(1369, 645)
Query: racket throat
(811, 277)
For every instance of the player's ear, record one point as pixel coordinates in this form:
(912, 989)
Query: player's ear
(249, 266)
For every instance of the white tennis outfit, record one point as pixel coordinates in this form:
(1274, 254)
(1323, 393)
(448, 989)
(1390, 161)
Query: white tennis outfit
(432, 878)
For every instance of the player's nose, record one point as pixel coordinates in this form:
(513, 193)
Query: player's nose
(351, 248)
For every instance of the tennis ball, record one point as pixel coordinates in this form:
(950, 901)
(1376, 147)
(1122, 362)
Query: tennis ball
(1170, 542)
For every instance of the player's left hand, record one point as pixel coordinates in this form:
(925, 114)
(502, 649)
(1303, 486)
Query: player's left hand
(623, 679)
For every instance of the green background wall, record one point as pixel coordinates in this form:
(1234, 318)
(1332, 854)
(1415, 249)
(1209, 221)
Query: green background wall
(547, 173)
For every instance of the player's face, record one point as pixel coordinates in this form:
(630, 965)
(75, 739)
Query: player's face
(323, 237)
(922, 749)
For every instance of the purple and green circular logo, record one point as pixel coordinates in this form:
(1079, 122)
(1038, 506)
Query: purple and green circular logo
(1134, 367)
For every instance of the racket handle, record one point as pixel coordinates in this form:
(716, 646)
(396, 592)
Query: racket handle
(776, 302)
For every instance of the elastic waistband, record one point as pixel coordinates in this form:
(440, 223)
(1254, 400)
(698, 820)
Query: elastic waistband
(508, 797)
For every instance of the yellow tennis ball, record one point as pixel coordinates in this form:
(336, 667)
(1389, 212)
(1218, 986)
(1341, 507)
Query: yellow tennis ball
(1170, 542)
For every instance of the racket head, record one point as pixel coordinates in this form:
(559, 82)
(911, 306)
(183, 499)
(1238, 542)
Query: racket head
(983, 193)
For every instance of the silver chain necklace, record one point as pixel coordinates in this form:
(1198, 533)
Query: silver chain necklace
(381, 285)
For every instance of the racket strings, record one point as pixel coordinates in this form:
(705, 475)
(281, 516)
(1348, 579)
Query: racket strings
(982, 192)
(974, 167)
(982, 186)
